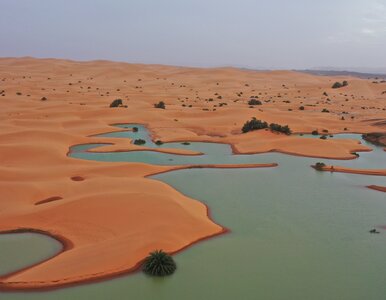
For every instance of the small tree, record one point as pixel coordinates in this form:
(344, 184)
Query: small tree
(337, 85)
(159, 263)
(160, 104)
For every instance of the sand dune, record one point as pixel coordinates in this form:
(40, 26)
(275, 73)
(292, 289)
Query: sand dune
(110, 220)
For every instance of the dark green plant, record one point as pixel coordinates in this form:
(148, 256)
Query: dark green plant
(254, 102)
(315, 132)
(319, 166)
(159, 263)
(135, 129)
(301, 108)
(139, 142)
(160, 104)
(116, 103)
(279, 128)
(159, 143)
(254, 124)
(185, 143)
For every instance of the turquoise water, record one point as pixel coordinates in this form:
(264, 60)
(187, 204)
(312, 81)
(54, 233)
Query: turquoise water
(295, 233)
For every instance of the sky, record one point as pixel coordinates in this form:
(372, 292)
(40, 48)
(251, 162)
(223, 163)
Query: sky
(256, 34)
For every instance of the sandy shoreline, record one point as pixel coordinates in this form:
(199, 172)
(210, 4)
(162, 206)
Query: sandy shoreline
(35, 137)
(353, 171)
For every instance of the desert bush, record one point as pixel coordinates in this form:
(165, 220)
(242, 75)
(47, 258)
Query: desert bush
(254, 124)
(279, 128)
(319, 166)
(116, 103)
(160, 104)
(338, 85)
(139, 142)
(254, 102)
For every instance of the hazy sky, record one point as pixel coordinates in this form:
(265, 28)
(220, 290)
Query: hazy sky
(276, 34)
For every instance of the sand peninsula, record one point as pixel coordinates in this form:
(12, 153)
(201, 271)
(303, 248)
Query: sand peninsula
(110, 215)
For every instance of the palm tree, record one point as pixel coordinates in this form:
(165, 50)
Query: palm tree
(159, 263)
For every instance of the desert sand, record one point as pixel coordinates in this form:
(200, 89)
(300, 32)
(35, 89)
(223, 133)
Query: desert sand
(339, 169)
(377, 188)
(110, 215)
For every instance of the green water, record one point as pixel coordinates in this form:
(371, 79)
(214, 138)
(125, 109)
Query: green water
(19, 250)
(295, 233)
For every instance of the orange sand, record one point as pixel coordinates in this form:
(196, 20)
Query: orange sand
(354, 171)
(116, 215)
(377, 188)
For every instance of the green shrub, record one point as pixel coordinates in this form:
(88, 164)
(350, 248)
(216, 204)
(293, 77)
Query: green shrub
(315, 132)
(301, 108)
(135, 129)
(319, 166)
(116, 103)
(279, 128)
(159, 263)
(254, 102)
(159, 143)
(160, 104)
(254, 125)
(139, 142)
(338, 85)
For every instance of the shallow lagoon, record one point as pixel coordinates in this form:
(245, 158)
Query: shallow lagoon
(295, 233)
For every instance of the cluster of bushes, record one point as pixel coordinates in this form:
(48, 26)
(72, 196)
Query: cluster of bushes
(255, 124)
(254, 102)
(139, 142)
(279, 128)
(160, 104)
(116, 103)
(338, 85)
